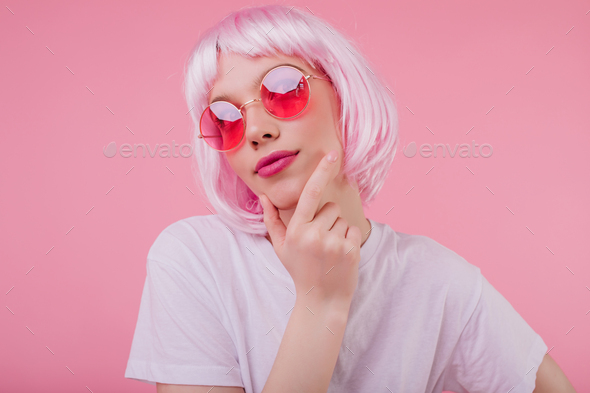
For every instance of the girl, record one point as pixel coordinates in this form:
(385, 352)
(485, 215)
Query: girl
(289, 287)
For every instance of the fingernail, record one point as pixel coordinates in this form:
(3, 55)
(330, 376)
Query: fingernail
(332, 156)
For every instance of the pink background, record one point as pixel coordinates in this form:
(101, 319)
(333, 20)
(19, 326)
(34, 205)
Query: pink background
(521, 215)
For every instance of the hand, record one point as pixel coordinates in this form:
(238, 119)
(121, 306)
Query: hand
(318, 250)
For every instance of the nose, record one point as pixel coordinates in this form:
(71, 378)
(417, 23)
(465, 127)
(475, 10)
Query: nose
(260, 124)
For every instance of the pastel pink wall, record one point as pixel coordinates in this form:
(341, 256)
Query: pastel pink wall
(510, 74)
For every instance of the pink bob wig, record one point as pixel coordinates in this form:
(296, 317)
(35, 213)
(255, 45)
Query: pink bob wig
(368, 122)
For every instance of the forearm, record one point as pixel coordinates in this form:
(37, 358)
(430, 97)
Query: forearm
(309, 349)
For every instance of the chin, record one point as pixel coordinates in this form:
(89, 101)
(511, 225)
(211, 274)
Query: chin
(286, 200)
(285, 194)
(286, 204)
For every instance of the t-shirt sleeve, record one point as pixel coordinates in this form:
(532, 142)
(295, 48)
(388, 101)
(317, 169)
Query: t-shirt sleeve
(179, 337)
(497, 351)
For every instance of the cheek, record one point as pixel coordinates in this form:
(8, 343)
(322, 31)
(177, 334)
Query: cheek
(336, 117)
(326, 114)
(233, 162)
(242, 170)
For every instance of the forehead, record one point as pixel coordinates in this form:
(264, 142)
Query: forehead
(236, 73)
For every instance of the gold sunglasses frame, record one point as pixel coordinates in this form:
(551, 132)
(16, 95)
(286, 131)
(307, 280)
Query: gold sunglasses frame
(201, 136)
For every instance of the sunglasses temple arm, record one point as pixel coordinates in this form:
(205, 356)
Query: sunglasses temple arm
(318, 77)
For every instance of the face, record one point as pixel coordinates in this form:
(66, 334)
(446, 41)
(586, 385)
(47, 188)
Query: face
(313, 133)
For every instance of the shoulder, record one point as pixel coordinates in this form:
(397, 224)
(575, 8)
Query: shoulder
(195, 226)
(191, 239)
(439, 270)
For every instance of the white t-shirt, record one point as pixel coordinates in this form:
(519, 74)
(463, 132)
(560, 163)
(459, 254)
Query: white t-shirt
(216, 303)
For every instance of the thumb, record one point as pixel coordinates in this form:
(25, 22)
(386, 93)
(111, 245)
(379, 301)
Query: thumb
(275, 226)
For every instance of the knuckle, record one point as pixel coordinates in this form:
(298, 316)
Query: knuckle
(350, 243)
(352, 249)
(333, 244)
(337, 208)
(312, 236)
(314, 190)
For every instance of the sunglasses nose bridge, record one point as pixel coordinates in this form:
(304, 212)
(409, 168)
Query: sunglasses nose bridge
(248, 102)
(243, 114)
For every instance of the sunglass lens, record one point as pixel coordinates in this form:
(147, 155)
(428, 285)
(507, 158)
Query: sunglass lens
(285, 92)
(222, 126)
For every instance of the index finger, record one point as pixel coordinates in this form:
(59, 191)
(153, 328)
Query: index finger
(309, 200)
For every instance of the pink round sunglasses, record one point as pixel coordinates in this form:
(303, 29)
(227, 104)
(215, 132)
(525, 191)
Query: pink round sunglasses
(284, 92)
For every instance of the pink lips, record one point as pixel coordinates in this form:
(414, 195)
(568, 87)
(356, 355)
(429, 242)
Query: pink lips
(275, 162)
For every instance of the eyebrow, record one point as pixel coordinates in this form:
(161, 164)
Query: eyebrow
(257, 82)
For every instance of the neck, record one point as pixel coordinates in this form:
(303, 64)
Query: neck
(349, 200)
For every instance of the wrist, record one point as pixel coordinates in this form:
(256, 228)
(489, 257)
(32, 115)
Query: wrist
(337, 308)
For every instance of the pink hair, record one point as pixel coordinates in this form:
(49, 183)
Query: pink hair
(368, 120)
